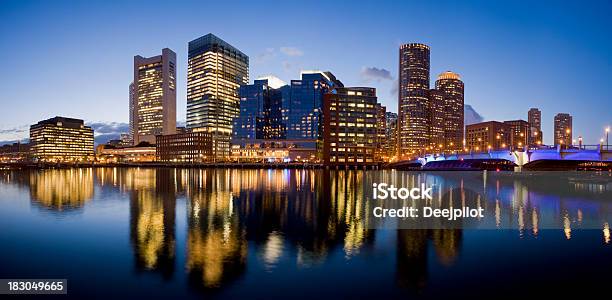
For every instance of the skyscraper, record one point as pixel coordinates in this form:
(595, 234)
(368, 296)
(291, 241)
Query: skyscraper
(381, 137)
(451, 87)
(534, 117)
(413, 100)
(563, 129)
(154, 90)
(391, 133)
(303, 108)
(131, 107)
(520, 131)
(260, 114)
(436, 120)
(215, 72)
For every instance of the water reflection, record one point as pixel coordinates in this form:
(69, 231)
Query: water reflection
(61, 190)
(303, 217)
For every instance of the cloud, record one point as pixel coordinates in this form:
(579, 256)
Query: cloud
(109, 128)
(106, 131)
(394, 88)
(470, 115)
(291, 51)
(267, 55)
(375, 74)
(15, 134)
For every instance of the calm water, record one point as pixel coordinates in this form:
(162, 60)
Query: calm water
(192, 233)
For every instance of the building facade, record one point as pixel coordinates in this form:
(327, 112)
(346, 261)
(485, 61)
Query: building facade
(563, 130)
(520, 131)
(492, 135)
(190, 147)
(436, 120)
(451, 87)
(534, 117)
(413, 100)
(349, 129)
(381, 153)
(391, 134)
(61, 139)
(16, 152)
(154, 96)
(260, 114)
(303, 104)
(215, 72)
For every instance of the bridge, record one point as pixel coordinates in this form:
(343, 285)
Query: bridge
(542, 158)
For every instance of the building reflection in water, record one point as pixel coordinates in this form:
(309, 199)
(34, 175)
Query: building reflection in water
(63, 189)
(152, 219)
(152, 197)
(216, 247)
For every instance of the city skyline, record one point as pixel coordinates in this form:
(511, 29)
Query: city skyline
(58, 91)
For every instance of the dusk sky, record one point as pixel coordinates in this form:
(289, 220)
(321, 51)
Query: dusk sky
(75, 58)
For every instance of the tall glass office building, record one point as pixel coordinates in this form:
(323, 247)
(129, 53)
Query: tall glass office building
(303, 108)
(215, 72)
(260, 113)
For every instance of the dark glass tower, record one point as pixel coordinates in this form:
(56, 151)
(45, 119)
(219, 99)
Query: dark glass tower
(260, 114)
(413, 101)
(303, 107)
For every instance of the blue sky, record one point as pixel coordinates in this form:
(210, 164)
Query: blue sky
(74, 58)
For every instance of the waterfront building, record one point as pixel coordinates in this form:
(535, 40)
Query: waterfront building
(132, 106)
(391, 134)
(154, 96)
(520, 131)
(15, 152)
(61, 139)
(274, 151)
(195, 146)
(491, 135)
(349, 129)
(563, 130)
(381, 136)
(436, 123)
(260, 114)
(534, 117)
(215, 72)
(451, 87)
(413, 100)
(303, 106)
(113, 154)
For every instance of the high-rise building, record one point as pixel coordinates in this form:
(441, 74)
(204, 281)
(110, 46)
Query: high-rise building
(154, 90)
(381, 153)
(451, 87)
(413, 100)
(62, 139)
(215, 72)
(391, 134)
(534, 117)
(436, 120)
(492, 135)
(303, 107)
(520, 131)
(260, 114)
(131, 107)
(563, 129)
(349, 129)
